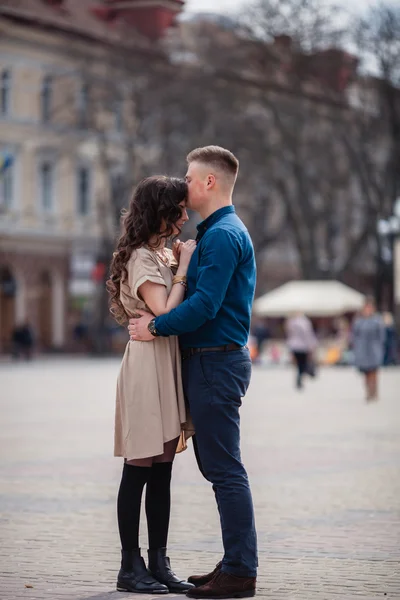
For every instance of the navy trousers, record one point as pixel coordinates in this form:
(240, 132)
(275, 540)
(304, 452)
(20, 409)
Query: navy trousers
(214, 384)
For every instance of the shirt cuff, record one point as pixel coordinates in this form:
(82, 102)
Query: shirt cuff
(160, 326)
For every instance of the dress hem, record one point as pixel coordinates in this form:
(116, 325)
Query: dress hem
(120, 455)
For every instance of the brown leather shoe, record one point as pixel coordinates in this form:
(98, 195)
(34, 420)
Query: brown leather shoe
(225, 585)
(198, 580)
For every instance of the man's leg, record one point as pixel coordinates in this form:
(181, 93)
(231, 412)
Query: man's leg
(215, 383)
(200, 466)
(185, 367)
(197, 456)
(301, 362)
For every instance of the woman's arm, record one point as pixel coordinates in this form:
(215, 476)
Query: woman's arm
(156, 296)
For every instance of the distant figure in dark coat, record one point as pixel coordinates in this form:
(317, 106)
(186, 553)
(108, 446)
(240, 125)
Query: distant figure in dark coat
(390, 349)
(23, 341)
(261, 334)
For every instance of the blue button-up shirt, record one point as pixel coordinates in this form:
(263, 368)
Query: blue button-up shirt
(221, 283)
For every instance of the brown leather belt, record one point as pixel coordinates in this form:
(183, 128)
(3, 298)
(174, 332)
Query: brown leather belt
(188, 352)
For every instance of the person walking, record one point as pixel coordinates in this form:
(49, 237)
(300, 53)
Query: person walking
(302, 343)
(214, 325)
(23, 341)
(150, 406)
(390, 349)
(368, 341)
(261, 334)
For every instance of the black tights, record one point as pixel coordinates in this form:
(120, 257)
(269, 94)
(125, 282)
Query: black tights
(158, 504)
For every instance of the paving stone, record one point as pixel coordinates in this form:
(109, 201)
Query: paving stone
(324, 468)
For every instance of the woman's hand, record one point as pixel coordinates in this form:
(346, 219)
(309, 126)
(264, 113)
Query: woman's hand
(176, 249)
(186, 252)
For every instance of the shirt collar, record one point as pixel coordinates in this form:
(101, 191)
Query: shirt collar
(213, 218)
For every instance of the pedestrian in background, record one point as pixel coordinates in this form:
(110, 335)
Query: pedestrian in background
(261, 334)
(390, 350)
(302, 343)
(23, 341)
(368, 340)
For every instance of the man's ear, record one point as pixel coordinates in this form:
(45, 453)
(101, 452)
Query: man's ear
(210, 181)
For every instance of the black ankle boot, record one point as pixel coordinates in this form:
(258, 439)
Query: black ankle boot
(160, 568)
(134, 577)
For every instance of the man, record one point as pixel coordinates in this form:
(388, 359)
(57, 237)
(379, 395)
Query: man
(213, 324)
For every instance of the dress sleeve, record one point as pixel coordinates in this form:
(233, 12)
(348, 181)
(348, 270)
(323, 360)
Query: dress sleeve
(143, 266)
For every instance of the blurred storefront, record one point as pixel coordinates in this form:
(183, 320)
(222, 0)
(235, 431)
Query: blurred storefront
(33, 290)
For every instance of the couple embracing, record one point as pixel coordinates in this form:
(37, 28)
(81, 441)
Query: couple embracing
(189, 315)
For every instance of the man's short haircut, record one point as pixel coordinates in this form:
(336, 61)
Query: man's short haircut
(216, 157)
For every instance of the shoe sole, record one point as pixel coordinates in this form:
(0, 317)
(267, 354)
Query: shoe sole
(121, 588)
(248, 594)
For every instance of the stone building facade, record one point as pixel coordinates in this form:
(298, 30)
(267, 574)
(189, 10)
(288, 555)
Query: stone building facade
(50, 176)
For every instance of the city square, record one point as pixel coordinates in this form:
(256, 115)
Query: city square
(228, 171)
(323, 465)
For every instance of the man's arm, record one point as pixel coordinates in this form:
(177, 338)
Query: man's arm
(219, 257)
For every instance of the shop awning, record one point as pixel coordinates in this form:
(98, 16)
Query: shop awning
(314, 298)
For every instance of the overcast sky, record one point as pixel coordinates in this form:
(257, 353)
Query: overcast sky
(225, 6)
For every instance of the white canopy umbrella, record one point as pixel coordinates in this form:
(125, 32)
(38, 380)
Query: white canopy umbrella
(313, 298)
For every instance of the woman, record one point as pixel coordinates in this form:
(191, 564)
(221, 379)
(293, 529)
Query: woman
(302, 342)
(150, 407)
(368, 339)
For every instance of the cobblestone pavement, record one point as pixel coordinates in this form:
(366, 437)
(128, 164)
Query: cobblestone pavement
(324, 467)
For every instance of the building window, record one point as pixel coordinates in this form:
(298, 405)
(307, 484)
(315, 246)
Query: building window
(5, 92)
(83, 190)
(83, 105)
(46, 98)
(7, 187)
(46, 175)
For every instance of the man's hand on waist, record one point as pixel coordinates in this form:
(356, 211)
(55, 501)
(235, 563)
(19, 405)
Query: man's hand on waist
(138, 327)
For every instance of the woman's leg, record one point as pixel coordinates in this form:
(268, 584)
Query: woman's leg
(371, 384)
(129, 501)
(158, 496)
(133, 575)
(374, 384)
(158, 508)
(367, 386)
(135, 475)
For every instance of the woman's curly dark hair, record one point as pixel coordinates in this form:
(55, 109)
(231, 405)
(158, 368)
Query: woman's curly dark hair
(153, 211)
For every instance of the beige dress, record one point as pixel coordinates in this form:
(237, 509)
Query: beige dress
(150, 406)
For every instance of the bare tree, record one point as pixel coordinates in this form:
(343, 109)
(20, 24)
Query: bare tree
(288, 80)
(374, 146)
(378, 42)
(274, 63)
